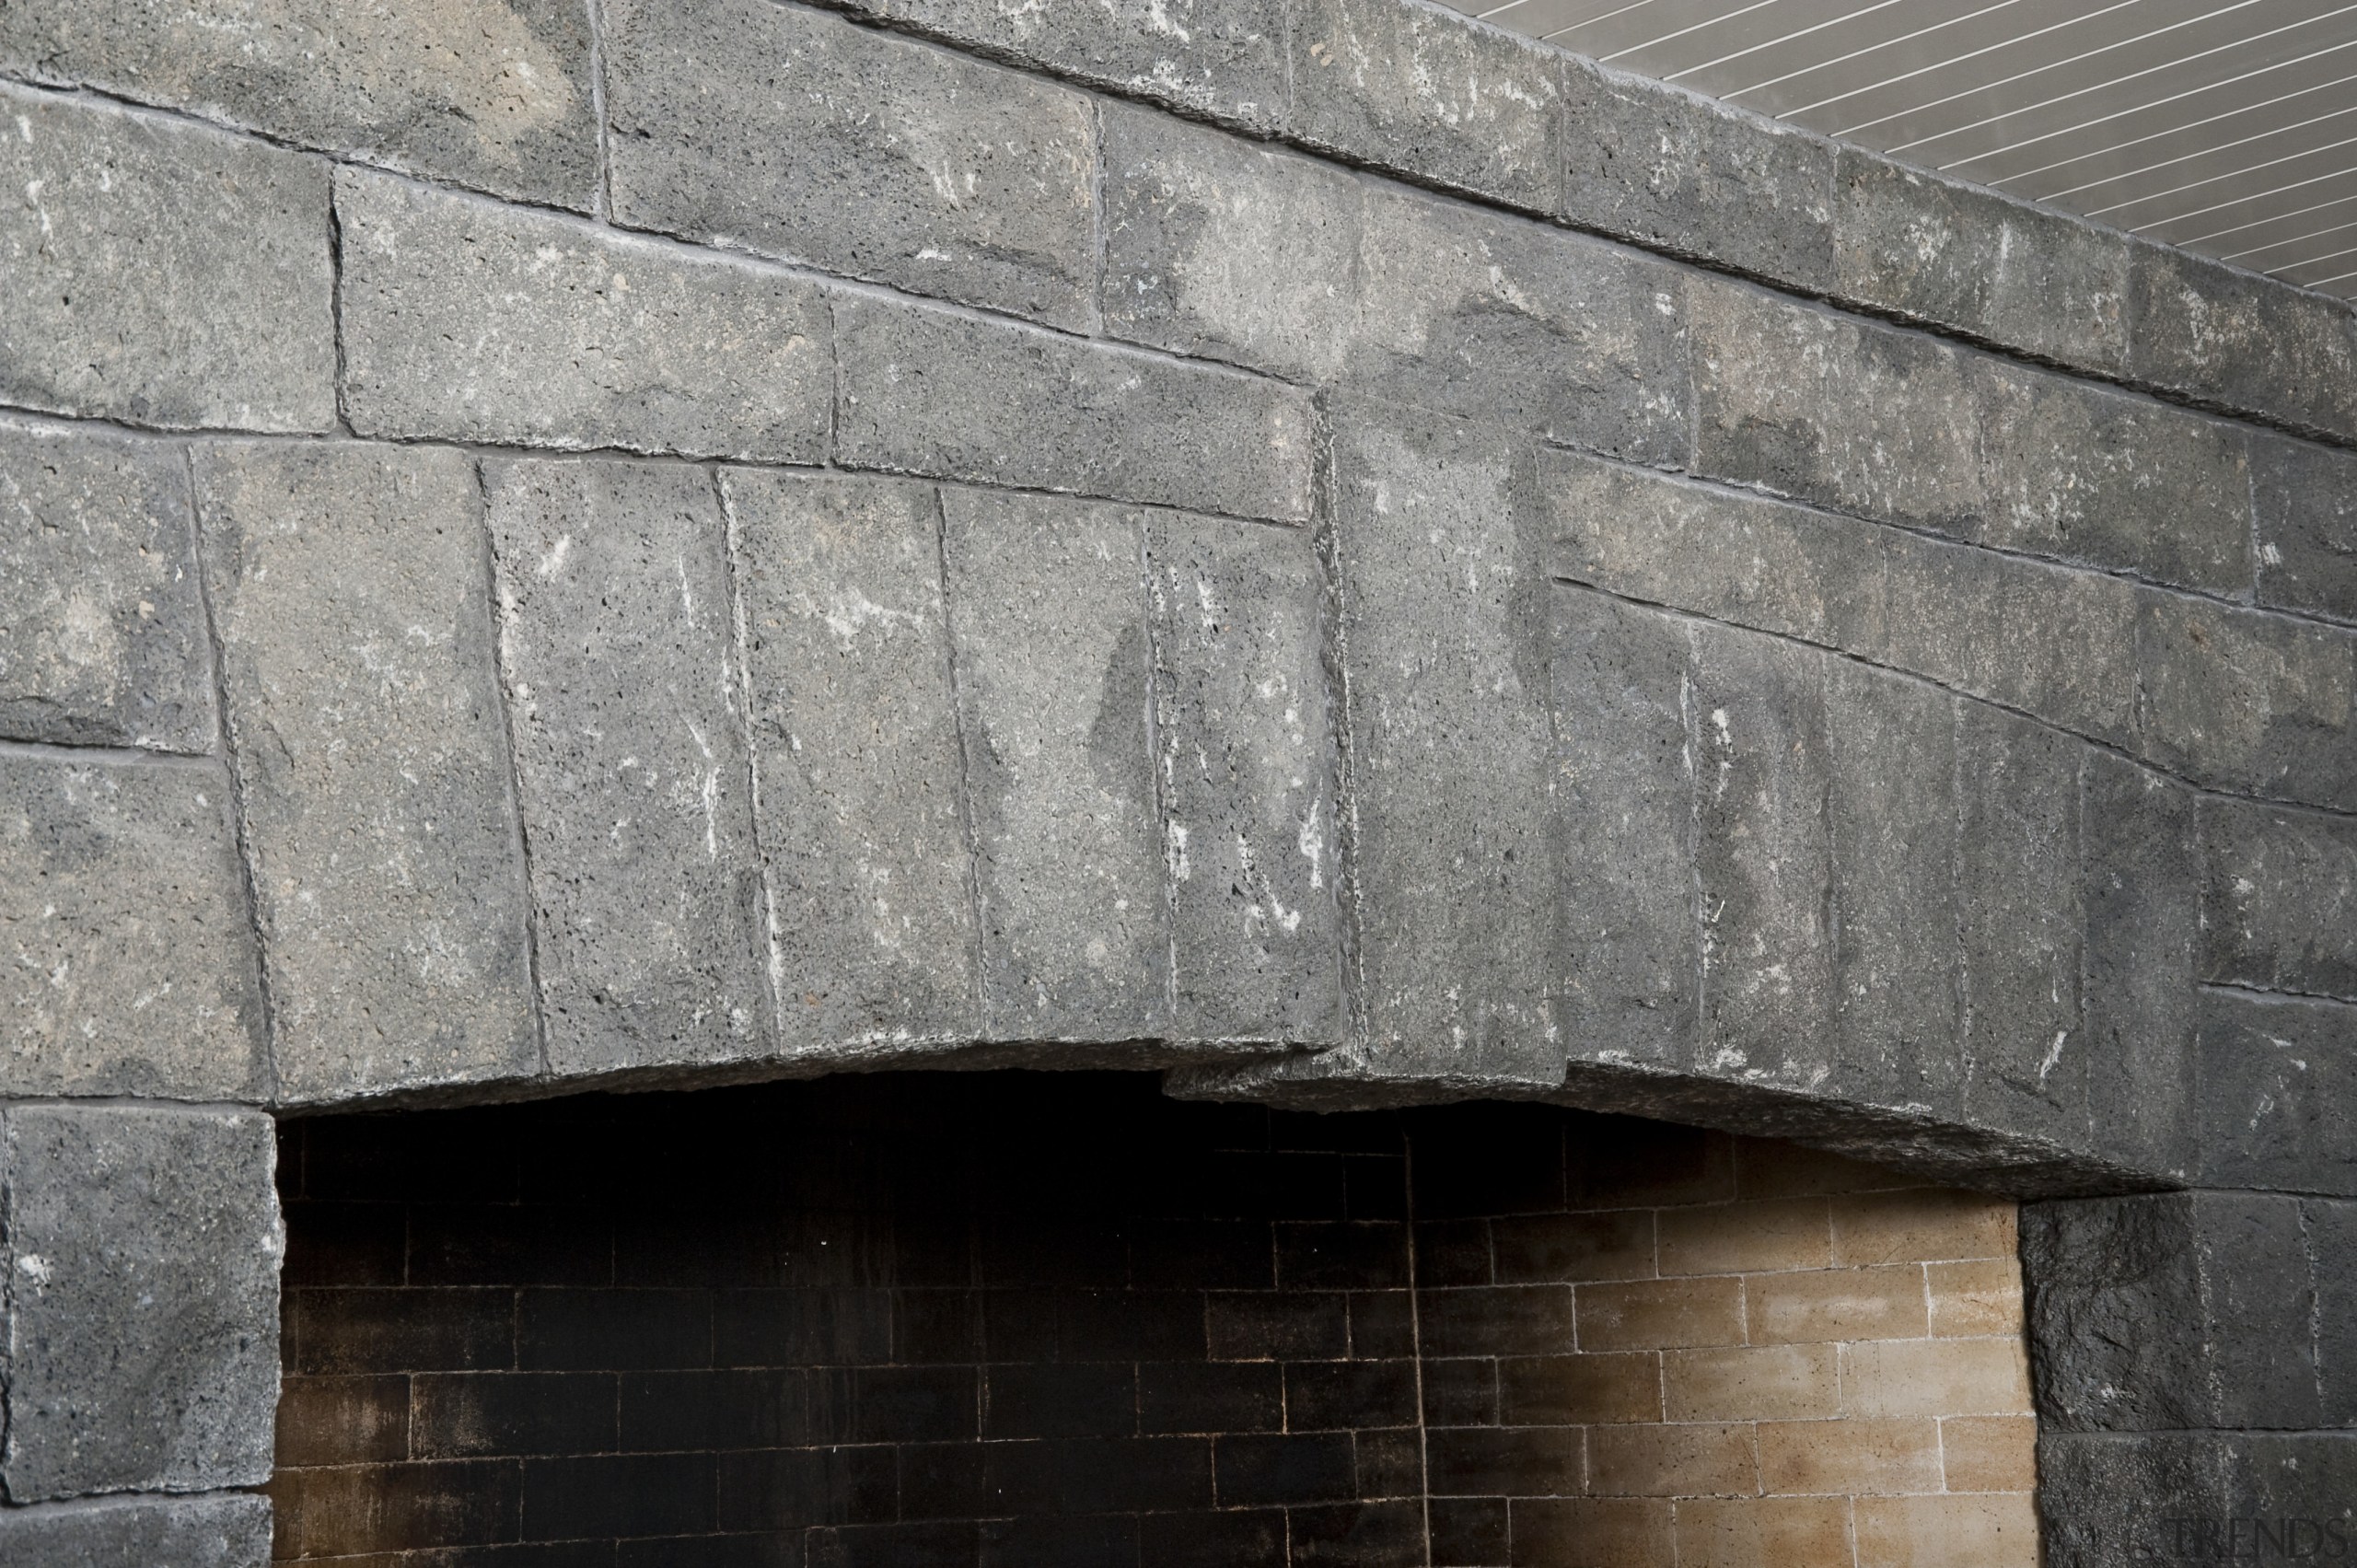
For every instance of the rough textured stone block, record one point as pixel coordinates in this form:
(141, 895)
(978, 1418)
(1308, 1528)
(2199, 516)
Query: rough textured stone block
(923, 392)
(2105, 1498)
(1443, 608)
(2238, 340)
(2277, 1093)
(1830, 408)
(161, 273)
(1251, 818)
(1429, 92)
(228, 1531)
(2142, 893)
(871, 868)
(1625, 784)
(2278, 909)
(2302, 1486)
(1687, 174)
(2115, 481)
(1220, 249)
(616, 638)
(102, 631)
(132, 967)
(351, 583)
(1951, 254)
(2246, 701)
(1503, 319)
(796, 134)
(1053, 668)
(2307, 527)
(144, 1339)
(2022, 927)
(466, 320)
(495, 94)
(2332, 1270)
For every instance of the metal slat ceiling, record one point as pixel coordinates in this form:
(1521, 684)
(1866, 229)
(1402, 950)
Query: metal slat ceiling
(2226, 126)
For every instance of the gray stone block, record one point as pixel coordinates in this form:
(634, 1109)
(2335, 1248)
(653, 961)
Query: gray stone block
(228, 1531)
(2115, 481)
(2023, 925)
(2259, 1310)
(2290, 1495)
(2307, 499)
(1864, 418)
(1221, 248)
(144, 1247)
(495, 94)
(159, 273)
(1053, 668)
(2248, 701)
(1624, 762)
(103, 632)
(1934, 250)
(1505, 319)
(927, 392)
(2332, 1270)
(2277, 1093)
(2143, 900)
(796, 134)
(351, 583)
(2115, 1293)
(2279, 908)
(2108, 1498)
(1443, 610)
(1250, 810)
(616, 638)
(1689, 175)
(1430, 92)
(133, 968)
(2238, 340)
(466, 320)
(1221, 59)
(871, 870)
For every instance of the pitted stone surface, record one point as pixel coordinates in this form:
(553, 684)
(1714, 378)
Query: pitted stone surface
(1246, 773)
(2278, 907)
(102, 631)
(473, 321)
(490, 93)
(128, 951)
(617, 641)
(351, 586)
(2143, 892)
(1053, 668)
(2233, 339)
(162, 272)
(228, 1531)
(2277, 1093)
(855, 737)
(2249, 702)
(796, 134)
(144, 1247)
(928, 392)
(1430, 92)
(1936, 251)
(2307, 499)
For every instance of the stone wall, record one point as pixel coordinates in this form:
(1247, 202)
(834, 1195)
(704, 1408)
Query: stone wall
(1309, 543)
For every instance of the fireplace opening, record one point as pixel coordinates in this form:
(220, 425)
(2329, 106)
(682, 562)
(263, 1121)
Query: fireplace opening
(1028, 1320)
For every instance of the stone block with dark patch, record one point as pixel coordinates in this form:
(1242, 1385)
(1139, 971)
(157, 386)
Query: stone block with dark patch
(2307, 527)
(795, 135)
(144, 1247)
(617, 636)
(2114, 1295)
(2141, 892)
(2246, 702)
(2278, 1098)
(230, 1530)
(2238, 340)
(162, 272)
(2278, 909)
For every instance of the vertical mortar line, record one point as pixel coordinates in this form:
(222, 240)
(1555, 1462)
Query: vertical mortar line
(740, 632)
(502, 621)
(1416, 1339)
(1698, 901)
(1097, 219)
(335, 301)
(835, 371)
(2316, 1305)
(1163, 783)
(974, 902)
(225, 736)
(2080, 885)
(1334, 656)
(1965, 1038)
(601, 196)
(2251, 490)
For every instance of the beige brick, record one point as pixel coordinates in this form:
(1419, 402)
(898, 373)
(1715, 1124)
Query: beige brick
(1991, 1453)
(1769, 1168)
(1737, 1238)
(1855, 1457)
(1701, 1460)
(1836, 1303)
(1589, 1532)
(1983, 1296)
(1988, 1530)
(1751, 1383)
(1763, 1532)
(1578, 1390)
(1928, 1226)
(1660, 1314)
(1936, 1377)
(1544, 1248)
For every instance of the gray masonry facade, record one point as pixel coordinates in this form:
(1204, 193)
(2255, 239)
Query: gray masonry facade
(1314, 544)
